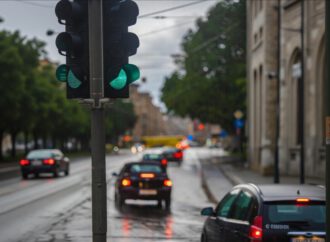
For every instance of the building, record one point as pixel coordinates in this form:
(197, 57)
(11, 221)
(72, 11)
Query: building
(150, 120)
(262, 56)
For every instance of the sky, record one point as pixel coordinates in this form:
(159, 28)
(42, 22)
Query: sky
(159, 38)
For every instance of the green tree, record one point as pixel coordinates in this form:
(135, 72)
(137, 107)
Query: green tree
(210, 81)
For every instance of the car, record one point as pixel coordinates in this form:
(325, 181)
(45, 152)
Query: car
(156, 157)
(44, 161)
(143, 181)
(173, 154)
(267, 213)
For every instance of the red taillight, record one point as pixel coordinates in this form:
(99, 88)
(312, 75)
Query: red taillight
(256, 229)
(164, 162)
(178, 155)
(147, 175)
(49, 162)
(126, 182)
(24, 162)
(168, 183)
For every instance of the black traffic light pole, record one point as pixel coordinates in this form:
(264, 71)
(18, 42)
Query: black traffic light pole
(327, 119)
(99, 186)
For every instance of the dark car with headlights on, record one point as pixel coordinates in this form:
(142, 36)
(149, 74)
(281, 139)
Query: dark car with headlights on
(267, 213)
(156, 157)
(44, 161)
(143, 181)
(173, 154)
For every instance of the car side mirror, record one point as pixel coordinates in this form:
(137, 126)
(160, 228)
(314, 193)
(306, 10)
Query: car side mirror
(209, 211)
(114, 174)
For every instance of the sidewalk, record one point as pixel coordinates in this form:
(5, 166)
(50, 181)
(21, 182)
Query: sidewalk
(236, 174)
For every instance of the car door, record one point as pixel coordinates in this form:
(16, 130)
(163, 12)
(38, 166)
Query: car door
(216, 224)
(238, 223)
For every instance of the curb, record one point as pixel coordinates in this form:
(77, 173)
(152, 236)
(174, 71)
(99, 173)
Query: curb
(206, 188)
(235, 180)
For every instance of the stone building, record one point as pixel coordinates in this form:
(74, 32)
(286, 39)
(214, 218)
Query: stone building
(262, 56)
(150, 120)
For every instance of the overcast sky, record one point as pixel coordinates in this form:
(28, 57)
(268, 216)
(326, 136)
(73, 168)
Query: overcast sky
(157, 43)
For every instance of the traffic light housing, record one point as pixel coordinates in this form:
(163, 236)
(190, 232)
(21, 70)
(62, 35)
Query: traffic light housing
(74, 44)
(118, 45)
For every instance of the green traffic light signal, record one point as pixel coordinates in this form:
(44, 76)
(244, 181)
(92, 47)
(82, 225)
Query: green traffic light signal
(127, 75)
(62, 73)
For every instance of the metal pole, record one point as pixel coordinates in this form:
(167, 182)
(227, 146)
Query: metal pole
(99, 186)
(301, 98)
(327, 108)
(277, 134)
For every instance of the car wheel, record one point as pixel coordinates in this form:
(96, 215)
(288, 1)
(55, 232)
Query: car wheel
(159, 204)
(168, 203)
(119, 202)
(67, 171)
(25, 176)
(203, 238)
(36, 175)
(56, 173)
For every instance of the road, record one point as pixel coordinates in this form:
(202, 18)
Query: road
(59, 209)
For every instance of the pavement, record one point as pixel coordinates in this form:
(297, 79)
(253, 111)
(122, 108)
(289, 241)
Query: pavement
(237, 173)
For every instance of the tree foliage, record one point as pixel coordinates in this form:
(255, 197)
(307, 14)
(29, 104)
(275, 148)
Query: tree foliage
(33, 103)
(209, 83)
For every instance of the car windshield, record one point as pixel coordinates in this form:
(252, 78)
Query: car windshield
(40, 154)
(152, 157)
(146, 168)
(295, 213)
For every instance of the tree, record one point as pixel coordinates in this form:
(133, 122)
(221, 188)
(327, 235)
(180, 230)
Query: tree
(210, 81)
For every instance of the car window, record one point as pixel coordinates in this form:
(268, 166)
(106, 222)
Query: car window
(286, 213)
(152, 157)
(146, 168)
(241, 206)
(39, 154)
(224, 206)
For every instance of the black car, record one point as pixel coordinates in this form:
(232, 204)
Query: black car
(158, 158)
(44, 161)
(173, 154)
(143, 181)
(267, 213)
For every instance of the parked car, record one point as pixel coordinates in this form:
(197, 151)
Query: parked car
(144, 181)
(44, 161)
(173, 154)
(267, 213)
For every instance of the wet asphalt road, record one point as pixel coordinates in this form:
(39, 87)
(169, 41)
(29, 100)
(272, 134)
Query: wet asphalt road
(58, 210)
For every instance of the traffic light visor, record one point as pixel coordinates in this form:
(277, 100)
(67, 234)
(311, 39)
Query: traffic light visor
(132, 73)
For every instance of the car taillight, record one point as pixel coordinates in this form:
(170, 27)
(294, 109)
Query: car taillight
(164, 162)
(256, 230)
(168, 183)
(147, 175)
(126, 182)
(24, 162)
(302, 200)
(178, 155)
(49, 161)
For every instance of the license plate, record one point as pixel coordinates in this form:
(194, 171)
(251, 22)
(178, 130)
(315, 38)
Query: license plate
(36, 162)
(147, 192)
(307, 240)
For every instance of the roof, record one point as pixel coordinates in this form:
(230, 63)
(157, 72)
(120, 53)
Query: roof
(285, 192)
(281, 192)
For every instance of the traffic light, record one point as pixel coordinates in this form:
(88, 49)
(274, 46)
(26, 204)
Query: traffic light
(118, 45)
(74, 44)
